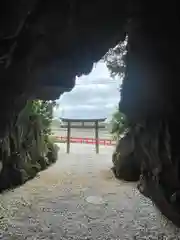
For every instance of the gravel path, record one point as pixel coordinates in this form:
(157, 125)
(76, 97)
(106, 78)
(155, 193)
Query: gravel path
(78, 198)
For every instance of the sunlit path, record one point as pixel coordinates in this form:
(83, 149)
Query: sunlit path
(78, 198)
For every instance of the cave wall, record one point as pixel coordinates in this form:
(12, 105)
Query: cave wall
(150, 99)
(150, 88)
(45, 44)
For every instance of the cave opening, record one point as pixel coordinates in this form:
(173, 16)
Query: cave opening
(43, 46)
(88, 107)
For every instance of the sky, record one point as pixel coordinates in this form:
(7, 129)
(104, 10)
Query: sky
(94, 96)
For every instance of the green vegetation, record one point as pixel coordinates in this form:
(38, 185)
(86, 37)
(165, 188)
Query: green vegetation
(56, 124)
(115, 59)
(115, 62)
(119, 124)
(27, 147)
(126, 165)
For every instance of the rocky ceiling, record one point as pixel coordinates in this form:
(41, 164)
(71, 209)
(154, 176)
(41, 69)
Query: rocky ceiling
(47, 43)
(44, 44)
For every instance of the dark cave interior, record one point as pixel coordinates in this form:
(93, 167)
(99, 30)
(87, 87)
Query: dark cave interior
(45, 44)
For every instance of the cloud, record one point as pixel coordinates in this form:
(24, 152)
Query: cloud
(94, 96)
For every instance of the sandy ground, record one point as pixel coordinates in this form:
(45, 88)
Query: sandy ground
(78, 198)
(87, 149)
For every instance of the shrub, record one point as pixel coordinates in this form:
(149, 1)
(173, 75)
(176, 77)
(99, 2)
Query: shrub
(26, 148)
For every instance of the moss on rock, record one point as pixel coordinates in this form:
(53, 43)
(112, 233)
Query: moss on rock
(126, 165)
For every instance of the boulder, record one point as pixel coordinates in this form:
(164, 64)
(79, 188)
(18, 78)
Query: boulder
(126, 165)
(127, 168)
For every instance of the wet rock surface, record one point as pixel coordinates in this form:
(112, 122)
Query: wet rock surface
(79, 198)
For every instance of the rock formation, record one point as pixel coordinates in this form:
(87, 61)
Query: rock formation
(45, 44)
(127, 166)
(150, 97)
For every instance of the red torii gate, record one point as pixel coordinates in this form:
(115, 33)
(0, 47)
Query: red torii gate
(96, 127)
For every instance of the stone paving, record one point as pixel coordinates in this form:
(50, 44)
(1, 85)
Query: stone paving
(78, 198)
